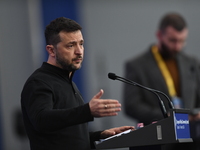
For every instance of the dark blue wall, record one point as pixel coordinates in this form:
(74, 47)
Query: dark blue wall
(52, 9)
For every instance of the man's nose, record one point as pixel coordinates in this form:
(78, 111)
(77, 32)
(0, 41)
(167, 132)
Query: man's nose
(79, 50)
(179, 46)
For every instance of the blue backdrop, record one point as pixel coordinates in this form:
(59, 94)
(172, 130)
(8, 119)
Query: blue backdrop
(52, 9)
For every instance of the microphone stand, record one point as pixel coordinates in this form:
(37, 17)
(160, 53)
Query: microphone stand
(137, 84)
(164, 112)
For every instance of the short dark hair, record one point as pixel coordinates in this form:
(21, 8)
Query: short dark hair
(56, 26)
(174, 20)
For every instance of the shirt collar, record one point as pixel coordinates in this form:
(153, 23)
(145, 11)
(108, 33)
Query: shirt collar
(57, 70)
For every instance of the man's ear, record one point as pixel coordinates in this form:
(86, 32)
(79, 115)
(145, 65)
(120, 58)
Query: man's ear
(50, 49)
(159, 35)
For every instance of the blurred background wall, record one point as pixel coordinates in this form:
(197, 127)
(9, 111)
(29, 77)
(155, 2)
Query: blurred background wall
(114, 31)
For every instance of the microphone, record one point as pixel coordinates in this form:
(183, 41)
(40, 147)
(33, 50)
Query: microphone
(115, 77)
(156, 92)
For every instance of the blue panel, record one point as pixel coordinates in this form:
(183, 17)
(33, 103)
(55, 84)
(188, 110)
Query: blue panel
(182, 128)
(53, 9)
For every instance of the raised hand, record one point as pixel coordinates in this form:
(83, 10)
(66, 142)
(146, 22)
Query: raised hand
(103, 107)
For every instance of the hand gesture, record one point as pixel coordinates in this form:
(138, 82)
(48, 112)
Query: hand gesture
(103, 107)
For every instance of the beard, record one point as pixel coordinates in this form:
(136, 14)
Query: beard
(65, 64)
(166, 52)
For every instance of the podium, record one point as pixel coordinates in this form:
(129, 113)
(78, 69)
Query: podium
(174, 129)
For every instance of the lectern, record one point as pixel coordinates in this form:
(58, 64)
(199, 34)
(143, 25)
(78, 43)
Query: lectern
(174, 129)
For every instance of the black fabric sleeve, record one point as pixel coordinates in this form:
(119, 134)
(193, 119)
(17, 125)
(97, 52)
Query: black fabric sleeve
(37, 102)
(94, 136)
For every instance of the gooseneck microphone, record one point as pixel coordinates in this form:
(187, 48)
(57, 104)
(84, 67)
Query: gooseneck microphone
(156, 92)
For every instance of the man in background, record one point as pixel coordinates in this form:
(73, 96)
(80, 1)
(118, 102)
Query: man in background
(54, 112)
(164, 67)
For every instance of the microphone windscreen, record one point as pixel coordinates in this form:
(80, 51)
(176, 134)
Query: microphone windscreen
(112, 76)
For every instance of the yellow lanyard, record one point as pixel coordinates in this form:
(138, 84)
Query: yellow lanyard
(165, 72)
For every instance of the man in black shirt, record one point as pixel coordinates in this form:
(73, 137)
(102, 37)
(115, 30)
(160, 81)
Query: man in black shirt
(54, 112)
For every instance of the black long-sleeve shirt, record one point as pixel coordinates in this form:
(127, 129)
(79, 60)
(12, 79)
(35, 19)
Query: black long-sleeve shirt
(54, 112)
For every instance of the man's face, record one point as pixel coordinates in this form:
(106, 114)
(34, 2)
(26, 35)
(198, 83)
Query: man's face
(172, 41)
(69, 52)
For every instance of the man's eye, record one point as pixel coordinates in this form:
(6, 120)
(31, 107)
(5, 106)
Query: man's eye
(70, 46)
(172, 40)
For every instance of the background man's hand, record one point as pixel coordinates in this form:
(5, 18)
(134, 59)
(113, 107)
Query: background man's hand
(103, 107)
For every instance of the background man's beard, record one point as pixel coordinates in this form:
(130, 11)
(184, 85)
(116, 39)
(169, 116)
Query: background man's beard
(166, 52)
